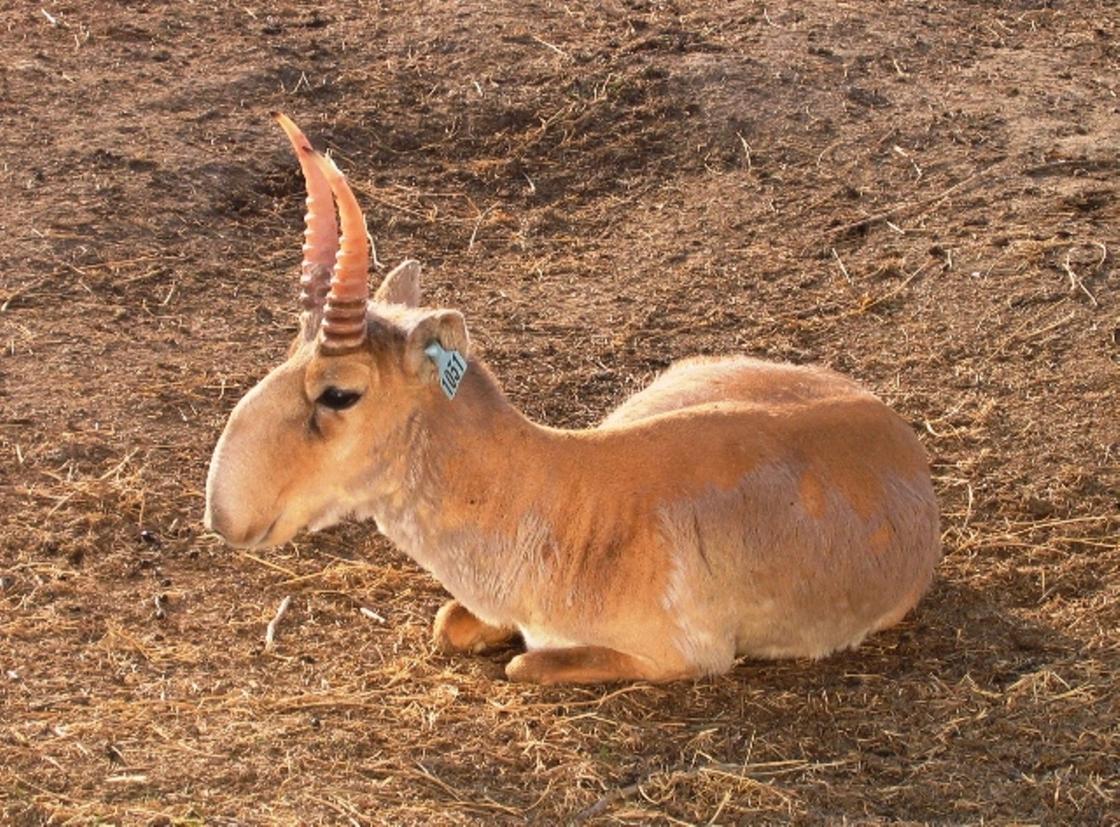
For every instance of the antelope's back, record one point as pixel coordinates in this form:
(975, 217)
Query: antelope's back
(705, 379)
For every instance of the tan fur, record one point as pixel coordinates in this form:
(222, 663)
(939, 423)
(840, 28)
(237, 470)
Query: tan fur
(734, 507)
(457, 630)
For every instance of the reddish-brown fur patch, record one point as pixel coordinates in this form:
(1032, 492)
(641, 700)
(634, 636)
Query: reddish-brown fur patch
(812, 495)
(881, 538)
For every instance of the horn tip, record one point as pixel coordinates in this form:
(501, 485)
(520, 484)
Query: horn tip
(299, 141)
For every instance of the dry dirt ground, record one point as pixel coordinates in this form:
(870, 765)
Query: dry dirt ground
(925, 195)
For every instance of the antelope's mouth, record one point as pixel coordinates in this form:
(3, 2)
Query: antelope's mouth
(259, 539)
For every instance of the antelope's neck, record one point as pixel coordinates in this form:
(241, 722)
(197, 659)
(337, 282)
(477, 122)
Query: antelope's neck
(464, 496)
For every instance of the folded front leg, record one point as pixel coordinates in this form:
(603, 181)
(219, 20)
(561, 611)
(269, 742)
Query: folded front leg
(457, 630)
(583, 664)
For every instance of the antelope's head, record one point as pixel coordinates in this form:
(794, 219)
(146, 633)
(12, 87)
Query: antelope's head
(303, 447)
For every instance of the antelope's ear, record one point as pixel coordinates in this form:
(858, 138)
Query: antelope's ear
(401, 286)
(448, 328)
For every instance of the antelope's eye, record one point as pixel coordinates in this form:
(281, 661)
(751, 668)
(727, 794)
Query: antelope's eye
(337, 399)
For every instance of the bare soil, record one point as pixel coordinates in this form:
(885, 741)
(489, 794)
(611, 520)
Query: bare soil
(925, 196)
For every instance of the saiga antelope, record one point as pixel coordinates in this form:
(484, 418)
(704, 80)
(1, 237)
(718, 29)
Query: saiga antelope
(733, 507)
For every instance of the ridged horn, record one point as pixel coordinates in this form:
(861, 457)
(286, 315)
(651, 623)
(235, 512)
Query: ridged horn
(344, 316)
(320, 235)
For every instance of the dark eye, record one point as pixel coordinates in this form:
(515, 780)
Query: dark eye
(337, 399)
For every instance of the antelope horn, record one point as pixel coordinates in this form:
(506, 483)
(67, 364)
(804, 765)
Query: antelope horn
(344, 317)
(320, 236)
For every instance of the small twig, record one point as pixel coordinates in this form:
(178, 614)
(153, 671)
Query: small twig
(477, 224)
(371, 614)
(1104, 254)
(922, 205)
(131, 778)
(161, 606)
(903, 153)
(719, 809)
(827, 150)
(1021, 339)
(349, 814)
(291, 574)
(747, 149)
(1076, 165)
(757, 773)
(554, 48)
(35, 285)
(843, 269)
(601, 806)
(1075, 281)
(892, 293)
(116, 469)
(270, 632)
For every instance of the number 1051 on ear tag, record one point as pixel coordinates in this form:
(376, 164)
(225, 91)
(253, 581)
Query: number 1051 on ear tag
(451, 367)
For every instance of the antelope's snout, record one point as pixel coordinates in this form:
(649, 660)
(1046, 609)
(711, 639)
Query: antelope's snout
(256, 461)
(230, 512)
(237, 533)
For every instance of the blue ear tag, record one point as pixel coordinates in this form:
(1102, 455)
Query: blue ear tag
(451, 367)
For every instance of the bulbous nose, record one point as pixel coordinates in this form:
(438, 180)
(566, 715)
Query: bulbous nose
(246, 535)
(251, 468)
(226, 516)
(216, 519)
(222, 521)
